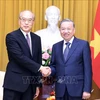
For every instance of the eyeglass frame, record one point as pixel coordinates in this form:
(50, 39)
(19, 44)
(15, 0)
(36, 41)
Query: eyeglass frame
(29, 20)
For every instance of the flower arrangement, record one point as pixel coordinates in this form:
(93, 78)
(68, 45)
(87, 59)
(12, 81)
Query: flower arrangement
(52, 93)
(46, 56)
(52, 96)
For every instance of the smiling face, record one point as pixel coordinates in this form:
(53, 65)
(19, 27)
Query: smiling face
(67, 30)
(26, 20)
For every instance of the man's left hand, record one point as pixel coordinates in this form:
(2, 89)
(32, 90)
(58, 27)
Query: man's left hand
(86, 95)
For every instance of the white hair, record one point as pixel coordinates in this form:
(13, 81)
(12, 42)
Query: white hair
(24, 11)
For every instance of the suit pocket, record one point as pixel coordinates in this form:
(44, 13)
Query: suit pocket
(80, 77)
(16, 71)
(14, 67)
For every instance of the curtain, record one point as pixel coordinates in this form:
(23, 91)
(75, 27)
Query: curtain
(82, 12)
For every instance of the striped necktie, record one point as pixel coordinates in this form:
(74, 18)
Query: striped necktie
(66, 50)
(28, 40)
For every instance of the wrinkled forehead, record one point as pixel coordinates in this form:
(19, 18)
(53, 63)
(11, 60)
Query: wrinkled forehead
(26, 14)
(67, 24)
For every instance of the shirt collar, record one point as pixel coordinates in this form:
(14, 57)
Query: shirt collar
(25, 33)
(71, 40)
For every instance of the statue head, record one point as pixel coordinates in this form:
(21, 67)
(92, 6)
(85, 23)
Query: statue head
(52, 15)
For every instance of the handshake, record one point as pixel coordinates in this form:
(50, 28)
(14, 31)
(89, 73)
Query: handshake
(45, 70)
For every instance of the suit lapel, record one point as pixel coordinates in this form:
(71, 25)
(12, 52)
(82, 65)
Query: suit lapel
(33, 43)
(61, 51)
(73, 47)
(22, 38)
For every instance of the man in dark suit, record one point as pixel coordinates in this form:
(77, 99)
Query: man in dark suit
(71, 65)
(23, 69)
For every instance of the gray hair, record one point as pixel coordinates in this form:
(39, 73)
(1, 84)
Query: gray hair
(67, 20)
(21, 13)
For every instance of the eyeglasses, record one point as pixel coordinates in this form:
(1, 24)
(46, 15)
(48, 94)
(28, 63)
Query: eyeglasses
(29, 20)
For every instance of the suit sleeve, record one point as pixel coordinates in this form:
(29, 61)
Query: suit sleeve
(39, 75)
(15, 52)
(52, 63)
(87, 68)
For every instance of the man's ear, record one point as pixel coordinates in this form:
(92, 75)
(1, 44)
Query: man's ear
(45, 17)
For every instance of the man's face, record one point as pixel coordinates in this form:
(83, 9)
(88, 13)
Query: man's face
(53, 17)
(67, 30)
(26, 21)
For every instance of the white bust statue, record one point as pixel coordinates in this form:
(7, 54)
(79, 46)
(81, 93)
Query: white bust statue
(51, 34)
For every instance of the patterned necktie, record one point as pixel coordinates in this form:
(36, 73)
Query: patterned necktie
(66, 51)
(28, 40)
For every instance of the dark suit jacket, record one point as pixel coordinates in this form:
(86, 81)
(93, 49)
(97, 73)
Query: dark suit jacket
(76, 72)
(22, 68)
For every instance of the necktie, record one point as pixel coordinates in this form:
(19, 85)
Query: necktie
(28, 40)
(66, 51)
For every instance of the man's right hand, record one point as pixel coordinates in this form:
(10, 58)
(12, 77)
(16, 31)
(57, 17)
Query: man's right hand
(45, 70)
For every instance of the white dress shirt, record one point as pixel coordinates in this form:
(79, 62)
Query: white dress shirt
(64, 44)
(29, 39)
